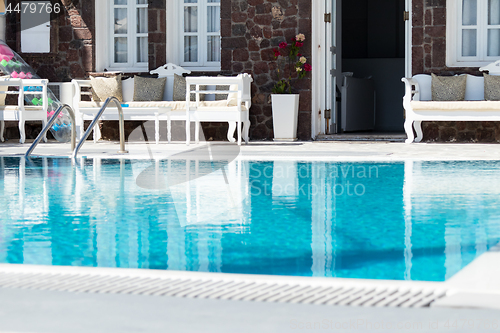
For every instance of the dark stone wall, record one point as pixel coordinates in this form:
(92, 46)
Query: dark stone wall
(429, 56)
(157, 36)
(250, 30)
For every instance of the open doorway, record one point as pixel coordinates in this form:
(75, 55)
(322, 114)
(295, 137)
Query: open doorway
(373, 55)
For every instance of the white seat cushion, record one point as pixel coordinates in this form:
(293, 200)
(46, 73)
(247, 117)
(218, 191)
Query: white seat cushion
(176, 106)
(455, 105)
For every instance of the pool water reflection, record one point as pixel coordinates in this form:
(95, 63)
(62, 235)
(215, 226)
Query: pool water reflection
(411, 220)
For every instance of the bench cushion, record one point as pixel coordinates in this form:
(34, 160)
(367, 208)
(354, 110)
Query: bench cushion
(491, 87)
(104, 87)
(176, 106)
(448, 88)
(148, 89)
(455, 105)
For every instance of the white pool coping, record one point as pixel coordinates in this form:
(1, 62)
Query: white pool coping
(481, 277)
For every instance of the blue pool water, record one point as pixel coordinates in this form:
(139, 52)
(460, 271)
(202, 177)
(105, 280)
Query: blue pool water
(411, 220)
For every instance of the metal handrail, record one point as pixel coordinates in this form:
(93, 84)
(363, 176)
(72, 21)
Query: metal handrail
(99, 114)
(49, 125)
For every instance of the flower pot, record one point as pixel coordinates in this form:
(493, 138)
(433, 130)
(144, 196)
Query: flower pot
(285, 115)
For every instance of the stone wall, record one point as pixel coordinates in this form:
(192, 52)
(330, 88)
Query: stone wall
(72, 54)
(250, 30)
(157, 36)
(429, 56)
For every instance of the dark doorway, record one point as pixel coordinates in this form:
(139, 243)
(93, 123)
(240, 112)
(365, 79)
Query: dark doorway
(373, 46)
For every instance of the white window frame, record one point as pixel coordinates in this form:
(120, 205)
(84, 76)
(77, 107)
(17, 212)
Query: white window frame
(454, 56)
(175, 37)
(104, 36)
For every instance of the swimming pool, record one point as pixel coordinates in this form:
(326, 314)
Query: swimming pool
(403, 221)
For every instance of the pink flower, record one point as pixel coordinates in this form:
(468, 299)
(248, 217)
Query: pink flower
(276, 53)
(283, 45)
(307, 67)
(299, 44)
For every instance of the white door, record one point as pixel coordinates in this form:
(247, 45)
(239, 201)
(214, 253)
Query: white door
(408, 71)
(333, 57)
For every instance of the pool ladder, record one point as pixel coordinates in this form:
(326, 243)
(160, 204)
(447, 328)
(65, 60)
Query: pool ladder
(87, 132)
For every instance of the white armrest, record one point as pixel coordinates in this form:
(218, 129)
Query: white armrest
(410, 92)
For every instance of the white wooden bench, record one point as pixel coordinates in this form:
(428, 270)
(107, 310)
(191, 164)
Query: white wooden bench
(168, 110)
(236, 112)
(21, 113)
(419, 106)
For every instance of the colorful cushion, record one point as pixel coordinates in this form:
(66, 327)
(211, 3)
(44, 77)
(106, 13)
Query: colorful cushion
(104, 87)
(448, 88)
(491, 87)
(148, 88)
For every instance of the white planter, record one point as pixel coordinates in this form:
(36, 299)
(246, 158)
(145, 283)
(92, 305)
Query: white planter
(285, 115)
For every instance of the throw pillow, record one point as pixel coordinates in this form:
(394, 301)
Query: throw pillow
(221, 97)
(232, 98)
(148, 88)
(179, 93)
(448, 88)
(491, 87)
(104, 87)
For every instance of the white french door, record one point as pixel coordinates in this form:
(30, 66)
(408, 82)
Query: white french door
(333, 57)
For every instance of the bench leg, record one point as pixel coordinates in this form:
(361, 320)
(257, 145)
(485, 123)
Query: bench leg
(197, 132)
(157, 128)
(230, 131)
(44, 123)
(239, 132)
(169, 128)
(97, 132)
(2, 127)
(246, 128)
(409, 130)
(418, 129)
(79, 127)
(21, 131)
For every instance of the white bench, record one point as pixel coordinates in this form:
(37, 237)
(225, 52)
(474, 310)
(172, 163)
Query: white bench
(169, 110)
(419, 106)
(21, 112)
(236, 112)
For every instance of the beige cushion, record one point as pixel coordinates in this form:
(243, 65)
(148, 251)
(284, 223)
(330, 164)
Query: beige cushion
(491, 87)
(148, 89)
(448, 88)
(179, 93)
(455, 106)
(232, 98)
(175, 105)
(220, 97)
(104, 87)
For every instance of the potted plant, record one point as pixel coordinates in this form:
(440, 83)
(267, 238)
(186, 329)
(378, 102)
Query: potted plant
(291, 66)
